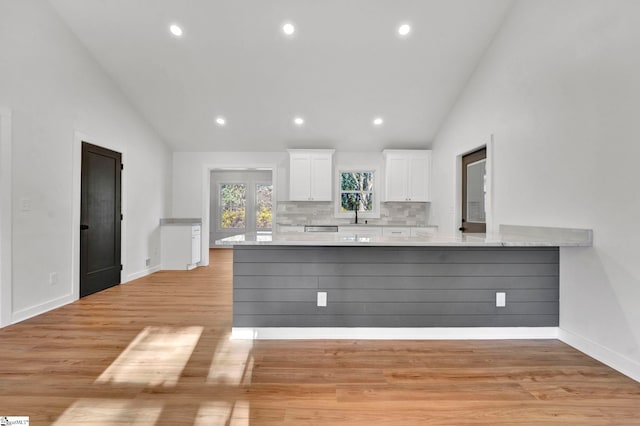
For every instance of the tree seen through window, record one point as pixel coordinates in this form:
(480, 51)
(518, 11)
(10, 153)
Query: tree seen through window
(356, 191)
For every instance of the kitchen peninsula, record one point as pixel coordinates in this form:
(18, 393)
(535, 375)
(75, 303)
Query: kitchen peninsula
(338, 282)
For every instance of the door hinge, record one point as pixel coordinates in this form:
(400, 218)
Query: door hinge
(121, 166)
(121, 216)
(121, 267)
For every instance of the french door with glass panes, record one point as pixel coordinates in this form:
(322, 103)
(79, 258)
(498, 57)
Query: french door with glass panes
(243, 203)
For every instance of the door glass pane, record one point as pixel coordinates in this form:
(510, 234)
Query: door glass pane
(232, 205)
(476, 191)
(264, 202)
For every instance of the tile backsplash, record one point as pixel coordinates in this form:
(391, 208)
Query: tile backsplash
(322, 213)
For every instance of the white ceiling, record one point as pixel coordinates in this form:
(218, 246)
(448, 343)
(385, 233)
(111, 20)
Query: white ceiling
(344, 65)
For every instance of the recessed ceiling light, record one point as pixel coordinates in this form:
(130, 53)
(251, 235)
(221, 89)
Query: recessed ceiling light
(288, 28)
(298, 121)
(175, 30)
(378, 121)
(404, 29)
(221, 121)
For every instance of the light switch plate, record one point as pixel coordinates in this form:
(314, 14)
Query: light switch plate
(322, 298)
(501, 299)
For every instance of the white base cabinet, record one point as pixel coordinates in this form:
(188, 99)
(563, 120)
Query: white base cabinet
(181, 246)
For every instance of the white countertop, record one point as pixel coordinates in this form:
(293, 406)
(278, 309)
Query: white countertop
(545, 239)
(173, 221)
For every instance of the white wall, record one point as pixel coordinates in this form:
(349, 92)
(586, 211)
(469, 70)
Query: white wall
(54, 88)
(560, 91)
(5, 216)
(192, 182)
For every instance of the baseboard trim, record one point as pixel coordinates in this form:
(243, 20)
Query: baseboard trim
(613, 359)
(143, 273)
(372, 333)
(31, 312)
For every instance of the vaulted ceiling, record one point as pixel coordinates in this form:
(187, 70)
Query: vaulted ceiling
(344, 65)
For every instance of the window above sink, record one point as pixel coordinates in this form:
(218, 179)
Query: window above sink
(357, 189)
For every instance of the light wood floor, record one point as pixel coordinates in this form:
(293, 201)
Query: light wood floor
(156, 351)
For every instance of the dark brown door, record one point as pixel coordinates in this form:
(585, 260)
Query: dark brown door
(474, 191)
(100, 217)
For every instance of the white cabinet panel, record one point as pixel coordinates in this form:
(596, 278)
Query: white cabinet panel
(422, 231)
(195, 245)
(300, 177)
(180, 246)
(396, 178)
(395, 231)
(360, 230)
(311, 174)
(321, 177)
(290, 228)
(418, 182)
(407, 175)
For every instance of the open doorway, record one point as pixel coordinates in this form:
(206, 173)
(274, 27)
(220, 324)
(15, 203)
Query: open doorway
(474, 192)
(241, 202)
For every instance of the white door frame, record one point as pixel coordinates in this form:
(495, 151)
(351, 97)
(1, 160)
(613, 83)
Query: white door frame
(458, 185)
(6, 237)
(78, 138)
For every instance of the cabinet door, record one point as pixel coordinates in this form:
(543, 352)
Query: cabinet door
(321, 178)
(195, 248)
(418, 181)
(300, 177)
(396, 178)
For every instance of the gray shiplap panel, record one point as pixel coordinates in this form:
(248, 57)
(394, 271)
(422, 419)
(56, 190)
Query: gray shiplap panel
(462, 283)
(395, 287)
(384, 296)
(395, 255)
(394, 321)
(387, 269)
(275, 281)
(392, 308)
(273, 295)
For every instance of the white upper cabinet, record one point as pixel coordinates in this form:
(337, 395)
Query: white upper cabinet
(407, 175)
(310, 174)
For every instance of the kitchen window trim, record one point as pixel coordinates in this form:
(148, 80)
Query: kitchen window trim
(376, 191)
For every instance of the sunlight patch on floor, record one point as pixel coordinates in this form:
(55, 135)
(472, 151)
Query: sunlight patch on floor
(107, 412)
(232, 363)
(223, 413)
(155, 357)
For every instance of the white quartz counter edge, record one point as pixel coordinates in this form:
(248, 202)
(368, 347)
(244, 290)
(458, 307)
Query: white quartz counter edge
(433, 240)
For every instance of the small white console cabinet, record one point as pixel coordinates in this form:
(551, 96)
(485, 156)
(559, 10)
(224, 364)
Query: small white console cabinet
(181, 245)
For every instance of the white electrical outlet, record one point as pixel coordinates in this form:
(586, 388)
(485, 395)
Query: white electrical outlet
(501, 299)
(53, 278)
(322, 298)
